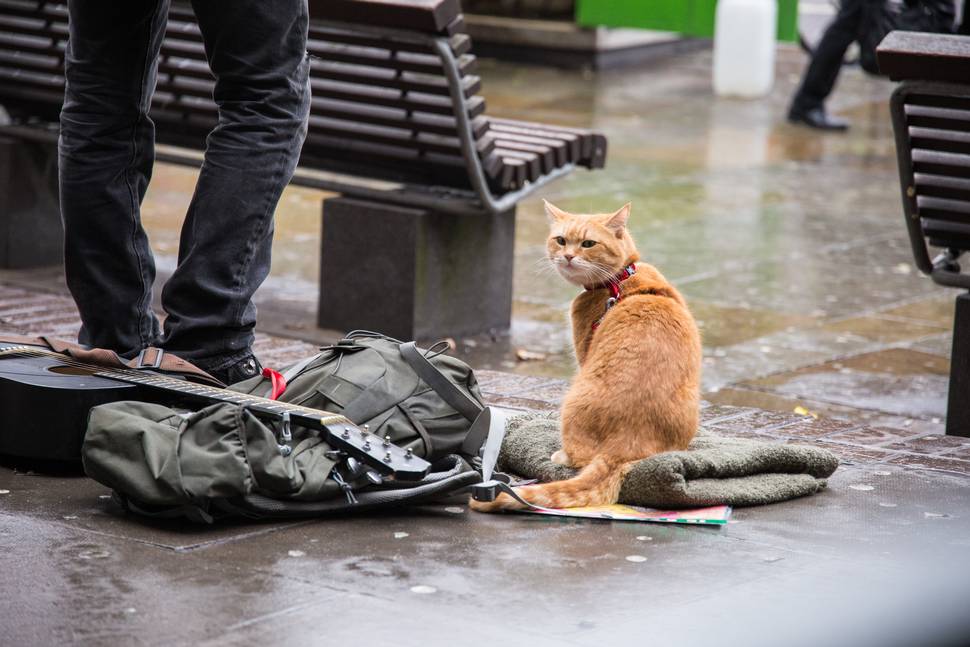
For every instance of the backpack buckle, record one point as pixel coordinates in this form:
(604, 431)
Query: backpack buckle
(286, 435)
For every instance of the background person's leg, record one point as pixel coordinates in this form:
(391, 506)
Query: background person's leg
(106, 151)
(257, 51)
(826, 63)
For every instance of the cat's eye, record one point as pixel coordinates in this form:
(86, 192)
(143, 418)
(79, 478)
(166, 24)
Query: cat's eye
(587, 243)
(560, 240)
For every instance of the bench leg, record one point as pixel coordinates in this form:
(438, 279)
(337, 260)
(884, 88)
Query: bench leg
(412, 273)
(958, 402)
(31, 234)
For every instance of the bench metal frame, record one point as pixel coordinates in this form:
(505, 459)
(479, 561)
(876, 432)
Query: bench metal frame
(944, 270)
(940, 269)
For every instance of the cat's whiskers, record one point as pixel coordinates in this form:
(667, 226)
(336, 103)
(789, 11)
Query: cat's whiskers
(600, 273)
(544, 265)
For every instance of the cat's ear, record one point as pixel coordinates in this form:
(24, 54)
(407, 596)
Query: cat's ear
(554, 213)
(616, 222)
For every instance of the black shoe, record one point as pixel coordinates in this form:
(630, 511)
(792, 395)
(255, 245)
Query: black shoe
(819, 119)
(239, 370)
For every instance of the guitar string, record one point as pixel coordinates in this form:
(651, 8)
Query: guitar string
(130, 375)
(191, 388)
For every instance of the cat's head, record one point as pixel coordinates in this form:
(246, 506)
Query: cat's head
(589, 249)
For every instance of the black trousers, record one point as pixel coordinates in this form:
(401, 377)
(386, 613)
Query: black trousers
(257, 52)
(823, 71)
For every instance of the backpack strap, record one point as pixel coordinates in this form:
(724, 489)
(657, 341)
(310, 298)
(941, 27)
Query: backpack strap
(485, 438)
(455, 397)
(149, 358)
(291, 373)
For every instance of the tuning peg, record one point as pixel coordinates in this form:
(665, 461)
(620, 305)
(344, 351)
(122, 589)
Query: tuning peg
(367, 445)
(409, 454)
(387, 441)
(374, 477)
(387, 457)
(346, 433)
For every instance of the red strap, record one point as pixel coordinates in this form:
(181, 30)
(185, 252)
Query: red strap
(614, 283)
(279, 383)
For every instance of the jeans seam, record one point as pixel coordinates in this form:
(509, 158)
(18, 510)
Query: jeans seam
(267, 217)
(143, 337)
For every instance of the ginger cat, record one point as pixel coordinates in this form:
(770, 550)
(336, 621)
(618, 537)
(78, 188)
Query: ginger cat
(637, 390)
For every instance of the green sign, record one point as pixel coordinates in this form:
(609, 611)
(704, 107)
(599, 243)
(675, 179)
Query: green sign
(688, 17)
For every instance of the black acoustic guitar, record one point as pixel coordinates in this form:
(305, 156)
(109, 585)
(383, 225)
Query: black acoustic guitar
(45, 398)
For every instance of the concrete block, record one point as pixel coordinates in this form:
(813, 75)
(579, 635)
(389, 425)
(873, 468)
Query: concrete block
(31, 234)
(412, 273)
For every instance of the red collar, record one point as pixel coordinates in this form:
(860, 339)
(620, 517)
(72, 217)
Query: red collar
(613, 285)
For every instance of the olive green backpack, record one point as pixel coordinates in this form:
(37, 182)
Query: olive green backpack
(224, 461)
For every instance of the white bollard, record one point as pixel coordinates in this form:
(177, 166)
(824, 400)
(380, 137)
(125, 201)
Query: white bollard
(744, 47)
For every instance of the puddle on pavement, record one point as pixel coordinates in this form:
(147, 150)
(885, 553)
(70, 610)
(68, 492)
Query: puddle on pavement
(768, 229)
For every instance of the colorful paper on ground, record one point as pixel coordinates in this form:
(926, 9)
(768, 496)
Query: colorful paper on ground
(717, 515)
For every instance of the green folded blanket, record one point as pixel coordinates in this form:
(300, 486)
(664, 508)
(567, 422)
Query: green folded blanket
(712, 471)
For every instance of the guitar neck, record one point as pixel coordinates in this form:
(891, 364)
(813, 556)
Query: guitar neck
(305, 415)
(340, 432)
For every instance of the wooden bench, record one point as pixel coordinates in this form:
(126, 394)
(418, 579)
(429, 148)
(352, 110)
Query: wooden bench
(931, 120)
(428, 182)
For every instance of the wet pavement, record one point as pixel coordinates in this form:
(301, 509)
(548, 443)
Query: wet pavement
(790, 247)
(879, 558)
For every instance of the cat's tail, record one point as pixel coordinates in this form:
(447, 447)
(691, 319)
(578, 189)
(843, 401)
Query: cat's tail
(596, 484)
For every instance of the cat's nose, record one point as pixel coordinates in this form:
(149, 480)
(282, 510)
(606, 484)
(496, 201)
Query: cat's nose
(569, 257)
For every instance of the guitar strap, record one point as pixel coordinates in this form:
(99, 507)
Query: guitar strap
(150, 358)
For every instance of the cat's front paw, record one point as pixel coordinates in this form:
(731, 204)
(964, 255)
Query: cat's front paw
(561, 457)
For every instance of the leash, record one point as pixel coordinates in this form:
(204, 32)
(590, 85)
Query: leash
(492, 423)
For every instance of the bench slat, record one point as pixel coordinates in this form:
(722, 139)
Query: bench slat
(545, 154)
(460, 44)
(431, 16)
(556, 146)
(366, 97)
(942, 208)
(942, 186)
(939, 140)
(533, 165)
(945, 233)
(936, 162)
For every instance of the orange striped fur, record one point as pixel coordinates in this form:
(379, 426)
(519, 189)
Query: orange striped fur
(637, 389)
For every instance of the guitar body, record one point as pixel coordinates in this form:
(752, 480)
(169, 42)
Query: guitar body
(45, 405)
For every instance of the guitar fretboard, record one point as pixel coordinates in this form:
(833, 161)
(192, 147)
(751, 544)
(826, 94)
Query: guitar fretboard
(191, 389)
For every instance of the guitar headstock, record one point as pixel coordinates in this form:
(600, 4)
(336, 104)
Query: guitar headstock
(377, 453)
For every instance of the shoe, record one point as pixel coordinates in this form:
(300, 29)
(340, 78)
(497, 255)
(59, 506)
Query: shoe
(242, 369)
(819, 119)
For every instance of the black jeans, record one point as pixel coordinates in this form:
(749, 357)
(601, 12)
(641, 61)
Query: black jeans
(826, 63)
(257, 52)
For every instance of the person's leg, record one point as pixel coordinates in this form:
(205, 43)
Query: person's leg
(257, 52)
(106, 151)
(823, 70)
